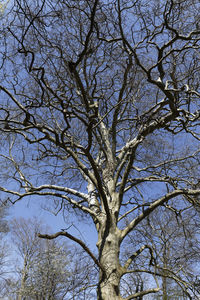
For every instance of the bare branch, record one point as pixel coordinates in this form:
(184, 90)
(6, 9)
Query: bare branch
(71, 237)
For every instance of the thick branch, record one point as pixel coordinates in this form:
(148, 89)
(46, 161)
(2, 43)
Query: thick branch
(142, 293)
(71, 237)
(132, 146)
(154, 205)
(138, 252)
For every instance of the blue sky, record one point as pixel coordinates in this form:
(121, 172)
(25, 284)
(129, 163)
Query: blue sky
(32, 208)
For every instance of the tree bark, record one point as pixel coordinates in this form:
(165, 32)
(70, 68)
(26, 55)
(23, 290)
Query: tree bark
(109, 279)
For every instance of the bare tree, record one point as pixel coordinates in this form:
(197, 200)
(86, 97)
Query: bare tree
(46, 269)
(174, 243)
(99, 112)
(4, 248)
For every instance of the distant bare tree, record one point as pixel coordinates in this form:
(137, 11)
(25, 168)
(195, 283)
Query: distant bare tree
(5, 248)
(46, 269)
(175, 247)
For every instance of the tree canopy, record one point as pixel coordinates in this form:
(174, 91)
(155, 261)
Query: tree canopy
(100, 113)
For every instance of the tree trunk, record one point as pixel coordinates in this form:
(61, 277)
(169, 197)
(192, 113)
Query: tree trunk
(23, 279)
(164, 278)
(109, 280)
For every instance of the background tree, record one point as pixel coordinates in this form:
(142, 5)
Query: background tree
(4, 248)
(46, 269)
(100, 112)
(174, 245)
